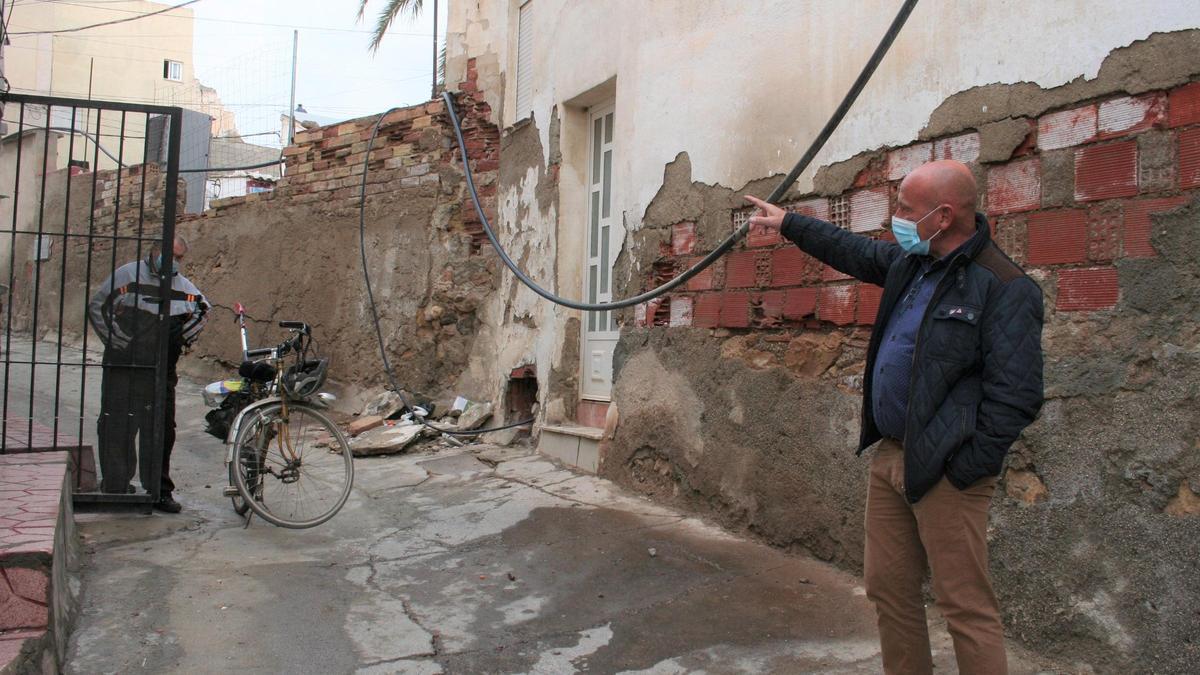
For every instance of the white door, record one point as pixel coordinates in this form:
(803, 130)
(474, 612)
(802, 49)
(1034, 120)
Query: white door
(600, 328)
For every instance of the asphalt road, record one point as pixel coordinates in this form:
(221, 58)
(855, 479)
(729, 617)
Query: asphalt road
(441, 562)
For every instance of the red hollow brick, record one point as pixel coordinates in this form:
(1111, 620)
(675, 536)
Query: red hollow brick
(1138, 223)
(760, 236)
(706, 311)
(683, 238)
(1065, 128)
(1057, 237)
(791, 267)
(901, 161)
(1087, 289)
(837, 304)
(1189, 158)
(740, 269)
(1104, 232)
(704, 281)
(830, 274)
(681, 311)
(818, 207)
(735, 309)
(1183, 105)
(868, 209)
(1016, 186)
(1130, 114)
(964, 148)
(799, 303)
(1106, 171)
(771, 306)
(869, 296)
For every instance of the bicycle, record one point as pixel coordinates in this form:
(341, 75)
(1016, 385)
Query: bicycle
(287, 461)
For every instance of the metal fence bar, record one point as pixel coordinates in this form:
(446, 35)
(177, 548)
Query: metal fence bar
(101, 237)
(87, 278)
(37, 273)
(62, 278)
(12, 267)
(23, 362)
(161, 387)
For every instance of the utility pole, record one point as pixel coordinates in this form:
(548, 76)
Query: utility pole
(291, 135)
(435, 51)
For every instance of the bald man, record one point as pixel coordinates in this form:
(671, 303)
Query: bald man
(953, 375)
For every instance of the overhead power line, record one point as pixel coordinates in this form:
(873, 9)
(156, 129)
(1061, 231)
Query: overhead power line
(259, 23)
(105, 23)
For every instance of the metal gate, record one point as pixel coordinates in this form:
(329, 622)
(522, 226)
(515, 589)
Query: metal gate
(87, 187)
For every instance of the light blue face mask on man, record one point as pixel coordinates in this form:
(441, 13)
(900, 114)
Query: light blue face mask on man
(908, 237)
(158, 262)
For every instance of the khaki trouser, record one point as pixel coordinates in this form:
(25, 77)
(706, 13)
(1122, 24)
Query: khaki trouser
(948, 529)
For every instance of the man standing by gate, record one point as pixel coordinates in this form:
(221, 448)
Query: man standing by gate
(953, 375)
(124, 313)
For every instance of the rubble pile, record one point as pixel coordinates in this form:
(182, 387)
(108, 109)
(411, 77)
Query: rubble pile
(384, 427)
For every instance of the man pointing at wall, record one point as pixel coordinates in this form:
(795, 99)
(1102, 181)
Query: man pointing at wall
(953, 375)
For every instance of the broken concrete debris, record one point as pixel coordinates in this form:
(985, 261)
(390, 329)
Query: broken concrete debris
(364, 424)
(384, 440)
(474, 416)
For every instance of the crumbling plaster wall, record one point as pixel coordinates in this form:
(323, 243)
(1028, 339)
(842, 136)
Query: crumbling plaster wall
(1094, 187)
(742, 87)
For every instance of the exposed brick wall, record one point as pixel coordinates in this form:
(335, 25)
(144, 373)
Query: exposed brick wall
(413, 148)
(1119, 175)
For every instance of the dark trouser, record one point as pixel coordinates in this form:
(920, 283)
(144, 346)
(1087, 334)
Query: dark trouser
(946, 530)
(127, 414)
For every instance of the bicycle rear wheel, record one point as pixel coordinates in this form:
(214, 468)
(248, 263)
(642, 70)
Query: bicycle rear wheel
(294, 471)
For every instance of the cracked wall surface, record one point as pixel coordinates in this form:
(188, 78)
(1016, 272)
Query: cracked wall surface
(739, 395)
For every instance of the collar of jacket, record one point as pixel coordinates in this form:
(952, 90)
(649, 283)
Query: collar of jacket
(969, 249)
(152, 264)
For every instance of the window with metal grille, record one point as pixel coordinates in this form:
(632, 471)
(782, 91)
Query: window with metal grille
(525, 61)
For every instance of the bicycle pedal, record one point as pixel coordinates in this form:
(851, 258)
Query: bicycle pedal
(230, 491)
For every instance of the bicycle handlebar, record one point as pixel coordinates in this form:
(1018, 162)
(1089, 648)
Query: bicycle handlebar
(290, 344)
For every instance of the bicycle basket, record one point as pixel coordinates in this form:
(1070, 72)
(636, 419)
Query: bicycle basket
(304, 379)
(218, 421)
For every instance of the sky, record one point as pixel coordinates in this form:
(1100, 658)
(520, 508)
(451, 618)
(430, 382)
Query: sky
(338, 77)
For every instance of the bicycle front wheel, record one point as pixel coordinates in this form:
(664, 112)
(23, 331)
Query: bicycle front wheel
(293, 470)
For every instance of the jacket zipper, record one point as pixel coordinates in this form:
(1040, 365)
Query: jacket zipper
(933, 299)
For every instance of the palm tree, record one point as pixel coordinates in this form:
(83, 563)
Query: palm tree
(390, 11)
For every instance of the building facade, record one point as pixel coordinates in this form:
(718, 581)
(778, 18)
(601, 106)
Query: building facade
(629, 133)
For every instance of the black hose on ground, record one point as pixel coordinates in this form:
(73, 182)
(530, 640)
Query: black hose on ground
(863, 77)
(777, 194)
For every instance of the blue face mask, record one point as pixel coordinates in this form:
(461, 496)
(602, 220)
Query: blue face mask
(908, 237)
(174, 264)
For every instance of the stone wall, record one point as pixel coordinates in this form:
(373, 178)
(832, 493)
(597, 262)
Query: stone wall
(293, 253)
(740, 395)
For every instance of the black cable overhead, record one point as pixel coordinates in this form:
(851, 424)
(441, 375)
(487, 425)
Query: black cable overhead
(776, 195)
(104, 23)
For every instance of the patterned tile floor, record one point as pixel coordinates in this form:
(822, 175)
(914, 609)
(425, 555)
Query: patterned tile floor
(30, 492)
(22, 435)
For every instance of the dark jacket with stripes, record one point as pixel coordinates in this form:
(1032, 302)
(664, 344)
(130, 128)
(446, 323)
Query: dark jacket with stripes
(977, 364)
(124, 313)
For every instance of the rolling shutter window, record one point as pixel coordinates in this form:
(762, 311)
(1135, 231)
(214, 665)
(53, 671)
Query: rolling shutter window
(525, 61)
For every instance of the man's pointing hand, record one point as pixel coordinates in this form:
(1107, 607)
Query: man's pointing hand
(769, 217)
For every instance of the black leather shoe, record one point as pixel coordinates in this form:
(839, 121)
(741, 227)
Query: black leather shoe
(167, 503)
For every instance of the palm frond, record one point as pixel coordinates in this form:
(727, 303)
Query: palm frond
(390, 11)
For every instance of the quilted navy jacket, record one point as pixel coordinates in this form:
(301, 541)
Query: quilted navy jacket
(977, 365)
